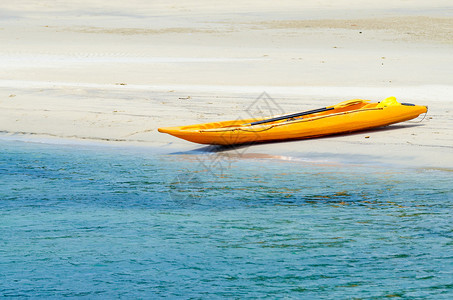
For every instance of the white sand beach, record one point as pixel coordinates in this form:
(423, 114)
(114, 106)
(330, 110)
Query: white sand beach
(115, 71)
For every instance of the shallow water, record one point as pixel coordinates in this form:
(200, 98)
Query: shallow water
(94, 221)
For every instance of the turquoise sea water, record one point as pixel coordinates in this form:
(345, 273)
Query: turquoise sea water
(105, 222)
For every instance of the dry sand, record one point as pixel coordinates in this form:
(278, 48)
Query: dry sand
(115, 71)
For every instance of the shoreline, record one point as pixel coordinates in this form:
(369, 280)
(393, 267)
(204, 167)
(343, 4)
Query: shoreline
(413, 144)
(130, 115)
(311, 151)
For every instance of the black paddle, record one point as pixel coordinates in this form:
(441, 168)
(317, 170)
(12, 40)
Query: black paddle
(339, 105)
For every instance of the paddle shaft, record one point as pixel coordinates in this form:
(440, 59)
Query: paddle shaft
(292, 115)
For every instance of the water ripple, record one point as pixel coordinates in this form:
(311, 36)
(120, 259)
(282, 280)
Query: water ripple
(108, 223)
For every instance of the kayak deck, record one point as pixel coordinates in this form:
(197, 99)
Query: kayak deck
(348, 116)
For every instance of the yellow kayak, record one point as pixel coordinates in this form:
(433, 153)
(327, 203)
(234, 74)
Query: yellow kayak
(347, 116)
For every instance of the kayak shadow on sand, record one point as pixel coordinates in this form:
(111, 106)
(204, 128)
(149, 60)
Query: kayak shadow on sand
(242, 147)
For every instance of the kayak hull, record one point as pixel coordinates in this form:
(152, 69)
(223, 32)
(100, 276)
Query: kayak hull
(357, 117)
